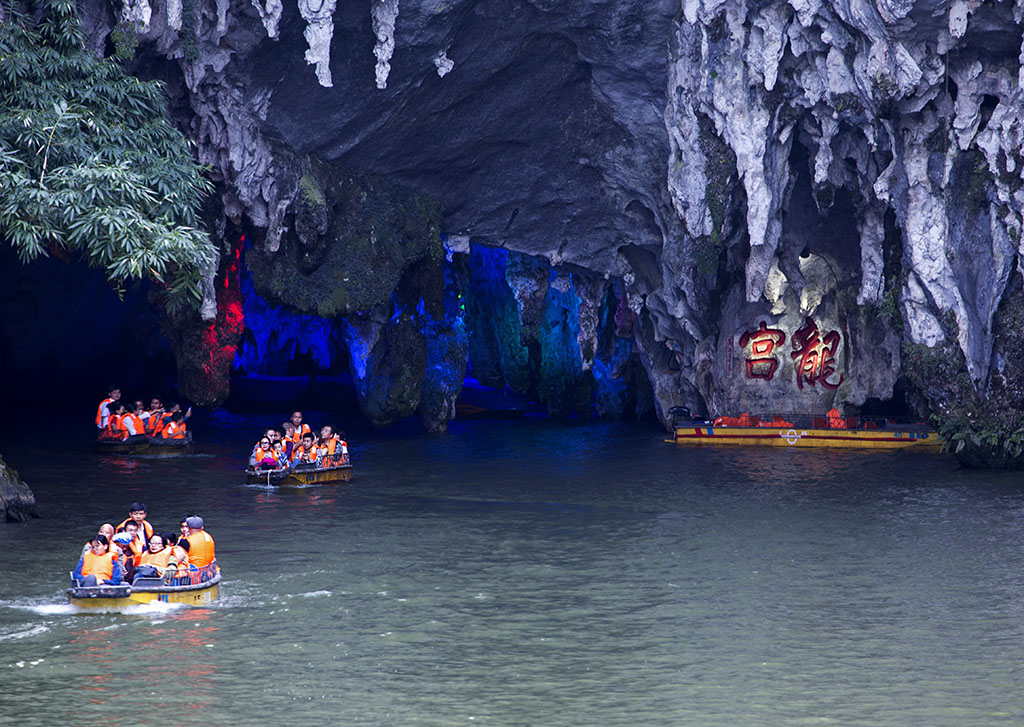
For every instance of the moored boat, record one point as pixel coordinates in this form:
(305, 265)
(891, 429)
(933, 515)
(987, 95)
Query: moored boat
(196, 592)
(847, 432)
(153, 446)
(302, 475)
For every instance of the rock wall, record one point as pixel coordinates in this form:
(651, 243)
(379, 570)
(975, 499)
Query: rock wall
(761, 205)
(17, 503)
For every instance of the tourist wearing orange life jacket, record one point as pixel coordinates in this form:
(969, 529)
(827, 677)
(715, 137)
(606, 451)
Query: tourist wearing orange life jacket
(132, 543)
(308, 452)
(154, 417)
(132, 422)
(298, 428)
(102, 411)
(175, 428)
(201, 548)
(115, 429)
(137, 514)
(99, 565)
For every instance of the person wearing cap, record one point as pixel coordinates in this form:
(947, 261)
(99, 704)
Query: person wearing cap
(137, 512)
(201, 550)
(99, 566)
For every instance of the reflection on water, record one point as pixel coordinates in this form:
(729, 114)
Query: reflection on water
(534, 573)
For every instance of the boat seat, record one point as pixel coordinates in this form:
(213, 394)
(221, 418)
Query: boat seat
(818, 423)
(852, 423)
(870, 425)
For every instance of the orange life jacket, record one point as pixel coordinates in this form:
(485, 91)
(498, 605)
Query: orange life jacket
(174, 430)
(131, 421)
(158, 560)
(115, 429)
(297, 433)
(201, 551)
(102, 413)
(147, 529)
(134, 550)
(154, 422)
(180, 556)
(835, 419)
(313, 452)
(101, 566)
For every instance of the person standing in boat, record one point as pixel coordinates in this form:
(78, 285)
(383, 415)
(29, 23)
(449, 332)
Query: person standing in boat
(137, 513)
(201, 548)
(103, 411)
(300, 429)
(99, 566)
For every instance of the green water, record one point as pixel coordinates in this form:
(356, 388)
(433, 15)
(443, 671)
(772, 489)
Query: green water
(531, 573)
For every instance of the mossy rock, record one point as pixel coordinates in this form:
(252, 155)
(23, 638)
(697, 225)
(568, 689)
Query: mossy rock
(983, 431)
(372, 232)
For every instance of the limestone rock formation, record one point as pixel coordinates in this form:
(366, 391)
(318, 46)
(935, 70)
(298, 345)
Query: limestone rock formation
(17, 503)
(760, 205)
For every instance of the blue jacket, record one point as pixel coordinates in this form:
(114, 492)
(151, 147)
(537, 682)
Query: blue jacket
(116, 575)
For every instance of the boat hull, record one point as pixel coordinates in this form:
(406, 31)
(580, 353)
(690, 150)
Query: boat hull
(919, 440)
(149, 447)
(300, 478)
(116, 597)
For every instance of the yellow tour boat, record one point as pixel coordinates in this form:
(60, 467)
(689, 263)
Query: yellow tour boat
(800, 431)
(196, 592)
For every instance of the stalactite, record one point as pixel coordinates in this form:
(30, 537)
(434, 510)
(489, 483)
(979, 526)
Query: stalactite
(384, 14)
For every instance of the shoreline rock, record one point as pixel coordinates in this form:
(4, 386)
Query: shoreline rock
(17, 503)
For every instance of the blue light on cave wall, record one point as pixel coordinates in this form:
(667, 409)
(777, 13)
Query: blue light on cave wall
(275, 337)
(561, 362)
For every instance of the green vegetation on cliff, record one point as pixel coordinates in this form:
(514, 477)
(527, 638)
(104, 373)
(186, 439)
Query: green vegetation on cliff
(984, 429)
(89, 165)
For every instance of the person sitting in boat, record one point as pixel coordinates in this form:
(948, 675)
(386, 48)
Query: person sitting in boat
(107, 531)
(308, 452)
(280, 455)
(137, 514)
(125, 553)
(134, 546)
(179, 553)
(154, 418)
(263, 456)
(114, 429)
(332, 446)
(175, 428)
(201, 548)
(156, 561)
(99, 566)
(103, 411)
(132, 422)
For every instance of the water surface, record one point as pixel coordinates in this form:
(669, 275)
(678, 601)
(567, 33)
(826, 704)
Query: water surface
(532, 573)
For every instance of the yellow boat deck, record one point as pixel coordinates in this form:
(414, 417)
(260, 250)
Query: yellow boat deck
(918, 439)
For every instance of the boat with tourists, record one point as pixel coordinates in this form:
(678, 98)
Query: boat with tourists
(195, 588)
(833, 430)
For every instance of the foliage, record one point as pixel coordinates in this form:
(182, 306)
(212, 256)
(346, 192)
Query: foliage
(88, 162)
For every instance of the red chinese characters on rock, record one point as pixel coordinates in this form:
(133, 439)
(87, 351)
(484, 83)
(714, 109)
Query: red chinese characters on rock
(815, 356)
(762, 362)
